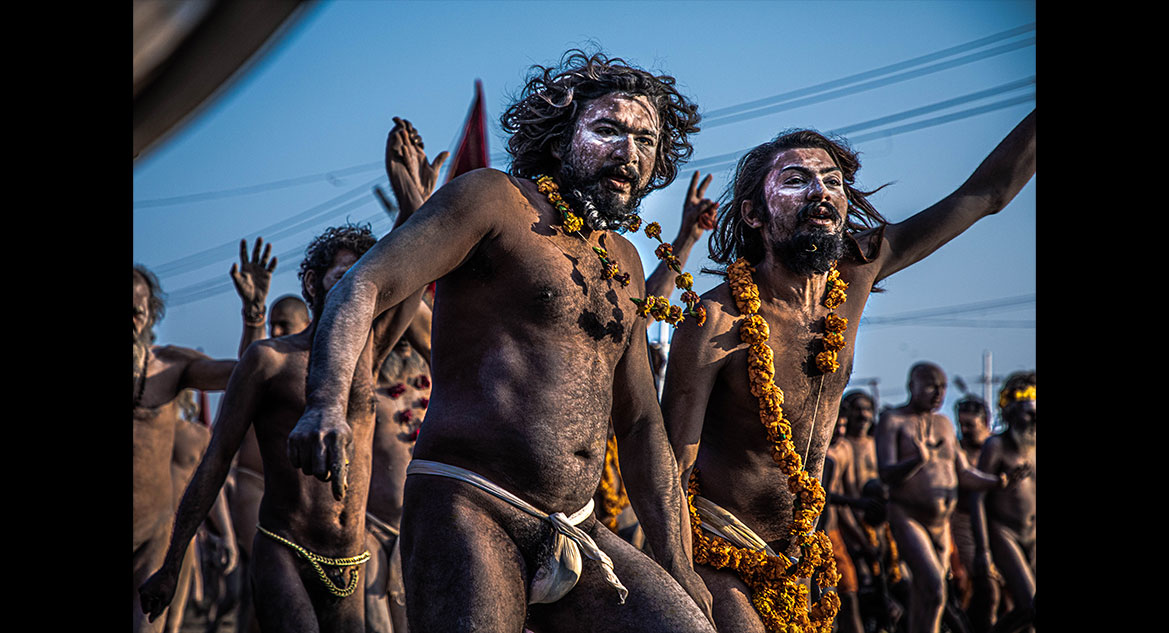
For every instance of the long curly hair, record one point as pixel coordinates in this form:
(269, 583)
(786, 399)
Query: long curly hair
(157, 305)
(733, 238)
(319, 254)
(543, 116)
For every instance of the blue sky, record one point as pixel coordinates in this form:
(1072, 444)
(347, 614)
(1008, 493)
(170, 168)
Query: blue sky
(295, 145)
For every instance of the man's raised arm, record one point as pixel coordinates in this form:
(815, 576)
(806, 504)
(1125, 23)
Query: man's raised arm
(413, 180)
(252, 278)
(996, 182)
(447, 228)
(698, 215)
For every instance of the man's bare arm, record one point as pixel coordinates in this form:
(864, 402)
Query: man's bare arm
(690, 379)
(448, 227)
(252, 279)
(235, 416)
(996, 182)
(891, 471)
(649, 470)
(698, 215)
(413, 180)
(987, 462)
(971, 478)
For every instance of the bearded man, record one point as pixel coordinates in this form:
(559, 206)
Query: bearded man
(161, 374)
(1003, 520)
(805, 234)
(534, 349)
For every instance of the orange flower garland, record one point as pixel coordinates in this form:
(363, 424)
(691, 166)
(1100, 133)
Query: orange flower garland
(613, 496)
(659, 307)
(777, 595)
(573, 223)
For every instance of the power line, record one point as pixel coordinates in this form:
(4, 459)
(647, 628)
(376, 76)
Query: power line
(723, 161)
(918, 316)
(843, 92)
(909, 63)
(714, 118)
(715, 163)
(267, 186)
(225, 250)
(220, 285)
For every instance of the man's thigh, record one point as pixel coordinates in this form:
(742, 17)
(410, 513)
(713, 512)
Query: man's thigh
(288, 595)
(461, 567)
(655, 601)
(730, 600)
(916, 548)
(1013, 564)
(376, 577)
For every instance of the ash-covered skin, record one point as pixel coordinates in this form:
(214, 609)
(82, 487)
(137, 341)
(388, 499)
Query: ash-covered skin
(711, 414)
(608, 162)
(808, 234)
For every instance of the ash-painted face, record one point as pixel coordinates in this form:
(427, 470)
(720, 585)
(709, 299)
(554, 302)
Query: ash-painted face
(141, 306)
(615, 143)
(804, 191)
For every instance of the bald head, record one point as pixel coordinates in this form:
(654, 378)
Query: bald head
(289, 315)
(927, 387)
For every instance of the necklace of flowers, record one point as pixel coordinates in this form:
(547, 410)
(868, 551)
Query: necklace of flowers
(657, 307)
(777, 595)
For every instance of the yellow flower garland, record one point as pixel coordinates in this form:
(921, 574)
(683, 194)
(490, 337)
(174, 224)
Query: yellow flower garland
(1006, 398)
(613, 496)
(776, 593)
(657, 307)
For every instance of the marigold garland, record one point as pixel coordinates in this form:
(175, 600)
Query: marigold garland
(1006, 398)
(612, 489)
(776, 593)
(657, 307)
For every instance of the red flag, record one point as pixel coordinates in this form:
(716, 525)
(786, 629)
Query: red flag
(472, 150)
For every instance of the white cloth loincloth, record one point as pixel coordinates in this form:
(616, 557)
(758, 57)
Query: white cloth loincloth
(559, 573)
(721, 523)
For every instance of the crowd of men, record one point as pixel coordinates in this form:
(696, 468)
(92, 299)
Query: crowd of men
(321, 502)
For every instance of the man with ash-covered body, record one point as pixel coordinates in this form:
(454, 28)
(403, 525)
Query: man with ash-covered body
(310, 547)
(533, 350)
(161, 374)
(794, 214)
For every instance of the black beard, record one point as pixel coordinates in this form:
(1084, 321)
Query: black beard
(141, 349)
(811, 250)
(598, 207)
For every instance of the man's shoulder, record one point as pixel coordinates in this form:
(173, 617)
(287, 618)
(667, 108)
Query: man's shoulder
(271, 354)
(483, 180)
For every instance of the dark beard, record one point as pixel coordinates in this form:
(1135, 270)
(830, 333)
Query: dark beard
(812, 250)
(598, 207)
(141, 350)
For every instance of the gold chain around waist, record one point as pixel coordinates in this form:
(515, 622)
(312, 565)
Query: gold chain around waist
(317, 560)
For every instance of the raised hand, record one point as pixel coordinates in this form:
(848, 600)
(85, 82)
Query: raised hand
(411, 176)
(253, 276)
(698, 211)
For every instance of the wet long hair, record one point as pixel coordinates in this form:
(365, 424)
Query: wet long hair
(543, 116)
(319, 254)
(733, 238)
